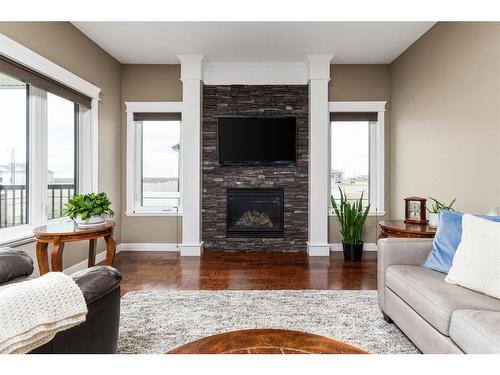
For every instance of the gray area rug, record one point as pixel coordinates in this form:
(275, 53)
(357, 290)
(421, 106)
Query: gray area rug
(157, 321)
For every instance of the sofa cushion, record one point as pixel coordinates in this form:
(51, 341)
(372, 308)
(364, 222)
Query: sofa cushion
(447, 239)
(476, 332)
(426, 292)
(13, 264)
(476, 264)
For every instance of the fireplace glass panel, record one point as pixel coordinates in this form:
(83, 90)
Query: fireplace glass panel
(255, 213)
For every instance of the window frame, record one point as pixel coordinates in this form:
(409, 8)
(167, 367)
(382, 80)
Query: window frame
(87, 147)
(134, 159)
(376, 150)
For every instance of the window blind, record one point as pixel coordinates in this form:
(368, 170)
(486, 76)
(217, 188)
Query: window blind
(353, 116)
(39, 80)
(156, 116)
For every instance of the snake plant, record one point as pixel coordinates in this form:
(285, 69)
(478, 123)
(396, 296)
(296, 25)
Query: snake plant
(352, 218)
(437, 205)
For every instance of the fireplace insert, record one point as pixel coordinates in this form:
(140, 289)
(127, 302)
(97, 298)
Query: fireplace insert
(255, 213)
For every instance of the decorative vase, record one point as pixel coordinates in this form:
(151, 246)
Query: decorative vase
(352, 253)
(433, 219)
(92, 221)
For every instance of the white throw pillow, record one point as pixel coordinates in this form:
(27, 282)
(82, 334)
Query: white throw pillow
(476, 264)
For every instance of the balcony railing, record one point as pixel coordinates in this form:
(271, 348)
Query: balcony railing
(14, 203)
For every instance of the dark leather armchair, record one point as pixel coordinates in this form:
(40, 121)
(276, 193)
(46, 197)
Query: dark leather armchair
(101, 288)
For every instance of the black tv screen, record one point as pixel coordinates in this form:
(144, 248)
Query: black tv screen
(244, 140)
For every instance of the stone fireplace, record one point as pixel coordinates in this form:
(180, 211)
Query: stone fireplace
(253, 213)
(229, 216)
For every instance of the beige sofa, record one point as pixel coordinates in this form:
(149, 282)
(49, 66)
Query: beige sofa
(438, 317)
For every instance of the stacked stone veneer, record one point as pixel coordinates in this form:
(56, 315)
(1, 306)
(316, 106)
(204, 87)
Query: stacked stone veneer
(249, 100)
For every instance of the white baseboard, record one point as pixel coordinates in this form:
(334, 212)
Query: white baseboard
(84, 263)
(191, 250)
(160, 246)
(368, 246)
(124, 247)
(318, 250)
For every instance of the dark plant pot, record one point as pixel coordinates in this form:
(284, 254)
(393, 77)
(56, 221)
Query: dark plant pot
(352, 253)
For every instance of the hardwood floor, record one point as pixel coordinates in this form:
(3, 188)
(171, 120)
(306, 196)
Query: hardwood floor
(242, 270)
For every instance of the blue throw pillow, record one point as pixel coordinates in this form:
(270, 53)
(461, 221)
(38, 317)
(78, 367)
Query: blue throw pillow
(447, 239)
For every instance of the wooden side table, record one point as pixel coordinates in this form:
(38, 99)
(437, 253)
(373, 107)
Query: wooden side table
(398, 228)
(60, 233)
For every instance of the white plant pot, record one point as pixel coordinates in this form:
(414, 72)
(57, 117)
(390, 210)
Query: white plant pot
(92, 221)
(433, 219)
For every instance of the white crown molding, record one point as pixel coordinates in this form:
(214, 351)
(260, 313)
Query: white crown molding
(191, 67)
(318, 66)
(169, 107)
(22, 55)
(255, 73)
(358, 106)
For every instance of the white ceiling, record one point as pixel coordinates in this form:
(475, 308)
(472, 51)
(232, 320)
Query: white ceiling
(160, 42)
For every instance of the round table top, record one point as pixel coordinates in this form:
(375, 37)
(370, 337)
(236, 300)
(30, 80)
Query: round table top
(69, 227)
(401, 226)
(266, 341)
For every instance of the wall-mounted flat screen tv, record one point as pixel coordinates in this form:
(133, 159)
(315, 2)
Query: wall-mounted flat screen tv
(257, 140)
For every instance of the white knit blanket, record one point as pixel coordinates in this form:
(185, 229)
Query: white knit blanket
(32, 312)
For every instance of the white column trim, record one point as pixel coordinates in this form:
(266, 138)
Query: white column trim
(191, 77)
(319, 145)
(191, 67)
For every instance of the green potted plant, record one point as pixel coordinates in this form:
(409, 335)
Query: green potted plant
(352, 219)
(88, 209)
(433, 217)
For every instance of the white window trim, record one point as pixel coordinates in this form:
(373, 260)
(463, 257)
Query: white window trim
(88, 137)
(132, 157)
(377, 149)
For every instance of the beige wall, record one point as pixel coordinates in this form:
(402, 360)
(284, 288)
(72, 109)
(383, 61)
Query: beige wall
(360, 83)
(66, 46)
(142, 83)
(445, 118)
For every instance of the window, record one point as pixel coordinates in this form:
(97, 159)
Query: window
(23, 107)
(13, 152)
(47, 140)
(159, 164)
(350, 159)
(153, 158)
(61, 147)
(357, 152)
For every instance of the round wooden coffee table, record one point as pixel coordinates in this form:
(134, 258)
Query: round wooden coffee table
(266, 341)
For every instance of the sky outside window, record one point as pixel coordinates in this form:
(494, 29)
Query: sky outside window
(350, 144)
